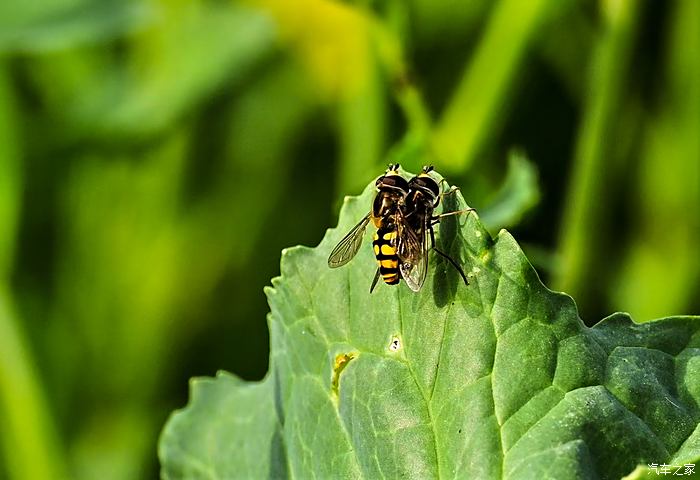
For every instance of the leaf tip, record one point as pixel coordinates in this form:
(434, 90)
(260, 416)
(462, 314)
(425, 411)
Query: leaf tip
(268, 290)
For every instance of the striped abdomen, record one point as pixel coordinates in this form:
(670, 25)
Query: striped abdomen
(384, 250)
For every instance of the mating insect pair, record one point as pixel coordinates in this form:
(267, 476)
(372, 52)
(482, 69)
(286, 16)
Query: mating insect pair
(402, 211)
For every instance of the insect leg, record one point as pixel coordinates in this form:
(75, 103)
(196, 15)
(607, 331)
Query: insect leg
(444, 194)
(451, 191)
(436, 219)
(454, 264)
(374, 282)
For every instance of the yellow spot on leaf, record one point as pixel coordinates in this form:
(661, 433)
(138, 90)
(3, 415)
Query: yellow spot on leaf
(341, 361)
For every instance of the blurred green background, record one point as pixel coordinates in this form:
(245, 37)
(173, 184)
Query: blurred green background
(156, 156)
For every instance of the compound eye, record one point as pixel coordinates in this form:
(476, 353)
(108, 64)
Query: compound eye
(435, 188)
(395, 182)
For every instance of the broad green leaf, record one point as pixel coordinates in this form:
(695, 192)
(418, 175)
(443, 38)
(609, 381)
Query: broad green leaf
(498, 379)
(256, 451)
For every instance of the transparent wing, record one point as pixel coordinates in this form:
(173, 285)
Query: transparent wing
(407, 242)
(414, 256)
(347, 248)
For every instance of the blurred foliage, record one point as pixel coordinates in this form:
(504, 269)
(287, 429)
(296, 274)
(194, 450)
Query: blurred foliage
(156, 156)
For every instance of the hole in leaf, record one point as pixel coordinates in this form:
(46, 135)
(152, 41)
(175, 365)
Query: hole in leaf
(395, 344)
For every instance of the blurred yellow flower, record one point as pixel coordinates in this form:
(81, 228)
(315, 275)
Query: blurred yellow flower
(332, 40)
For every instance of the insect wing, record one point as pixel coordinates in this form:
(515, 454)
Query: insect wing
(414, 257)
(407, 242)
(347, 248)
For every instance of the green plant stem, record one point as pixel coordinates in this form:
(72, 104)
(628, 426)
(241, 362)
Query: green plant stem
(586, 195)
(412, 151)
(362, 122)
(389, 48)
(9, 174)
(28, 436)
(666, 236)
(413, 106)
(472, 114)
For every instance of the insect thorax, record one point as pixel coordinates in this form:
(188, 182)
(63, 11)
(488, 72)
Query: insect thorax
(385, 205)
(419, 204)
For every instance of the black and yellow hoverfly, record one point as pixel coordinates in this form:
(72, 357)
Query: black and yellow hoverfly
(387, 216)
(403, 212)
(419, 205)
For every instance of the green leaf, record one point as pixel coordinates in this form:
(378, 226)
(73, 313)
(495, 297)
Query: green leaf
(168, 79)
(517, 195)
(51, 25)
(498, 379)
(195, 446)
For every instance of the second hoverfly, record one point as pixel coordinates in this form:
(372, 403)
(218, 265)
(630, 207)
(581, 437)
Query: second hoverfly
(422, 199)
(403, 214)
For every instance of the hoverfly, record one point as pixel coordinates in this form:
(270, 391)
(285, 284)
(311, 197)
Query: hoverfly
(422, 199)
(387, 215)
